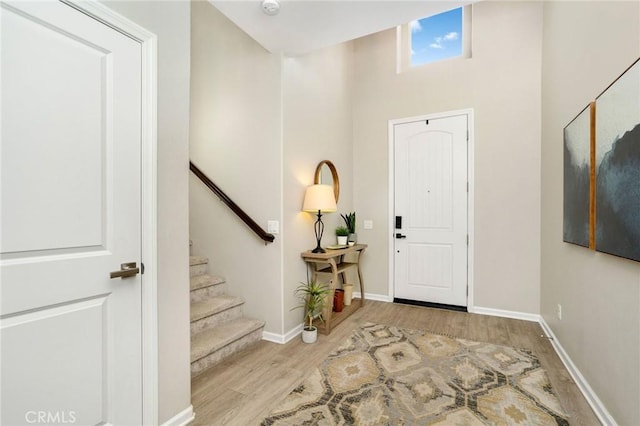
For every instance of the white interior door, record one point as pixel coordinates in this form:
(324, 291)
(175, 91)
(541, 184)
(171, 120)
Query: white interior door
(71, 214)
(430, 251)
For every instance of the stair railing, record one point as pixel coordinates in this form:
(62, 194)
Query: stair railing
(265, 236)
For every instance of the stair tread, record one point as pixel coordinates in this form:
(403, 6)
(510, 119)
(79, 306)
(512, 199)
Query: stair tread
(207, 280)
(198, 260)
(211, 340)
(213, 305)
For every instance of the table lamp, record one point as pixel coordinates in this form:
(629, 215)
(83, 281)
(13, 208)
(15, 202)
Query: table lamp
(319, 199)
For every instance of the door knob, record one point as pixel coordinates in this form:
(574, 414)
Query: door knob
(399, 236)
(126, 270)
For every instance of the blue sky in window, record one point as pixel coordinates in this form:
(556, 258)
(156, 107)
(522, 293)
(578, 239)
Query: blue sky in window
(436, 37)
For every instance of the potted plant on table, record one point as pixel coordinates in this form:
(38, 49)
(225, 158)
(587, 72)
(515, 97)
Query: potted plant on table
(314, 298)
(342, 234)
(350, 221)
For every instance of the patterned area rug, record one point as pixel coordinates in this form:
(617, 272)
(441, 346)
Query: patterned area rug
(385, 375)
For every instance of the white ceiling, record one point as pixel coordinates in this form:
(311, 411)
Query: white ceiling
(306, 25)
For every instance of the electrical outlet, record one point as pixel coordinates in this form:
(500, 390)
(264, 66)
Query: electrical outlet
(368, 224)
(559, 311)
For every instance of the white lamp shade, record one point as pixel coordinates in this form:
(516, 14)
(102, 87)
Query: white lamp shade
(319, 197)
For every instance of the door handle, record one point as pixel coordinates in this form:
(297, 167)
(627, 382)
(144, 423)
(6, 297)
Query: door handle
(126, 270)
(399, 236)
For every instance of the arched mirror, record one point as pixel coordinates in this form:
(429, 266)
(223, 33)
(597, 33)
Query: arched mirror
(326, 174)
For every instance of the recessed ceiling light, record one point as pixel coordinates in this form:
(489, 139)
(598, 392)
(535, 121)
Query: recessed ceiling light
(271, 7)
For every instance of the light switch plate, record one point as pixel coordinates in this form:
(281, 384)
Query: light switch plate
(368, 224)
(273, 226)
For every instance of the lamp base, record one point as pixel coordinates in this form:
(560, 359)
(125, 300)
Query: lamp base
(319, 229)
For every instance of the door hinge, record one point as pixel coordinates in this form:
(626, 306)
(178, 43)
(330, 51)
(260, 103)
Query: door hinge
(467, 135)
(467, 186)
(467, 239)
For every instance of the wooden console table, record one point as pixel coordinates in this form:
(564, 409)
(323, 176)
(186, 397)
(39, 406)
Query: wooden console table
(333, 263)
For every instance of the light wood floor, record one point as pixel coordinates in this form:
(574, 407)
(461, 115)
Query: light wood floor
(243, 390)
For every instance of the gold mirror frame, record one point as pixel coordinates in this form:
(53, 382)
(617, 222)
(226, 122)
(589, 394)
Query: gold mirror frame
(334, 175)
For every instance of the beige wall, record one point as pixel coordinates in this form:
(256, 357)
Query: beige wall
(586, 46)
(501, 82)
(236, 139)
(170, 22)
(317, 126)
(260, 123)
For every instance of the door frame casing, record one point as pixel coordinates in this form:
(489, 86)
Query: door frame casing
(470, 196)
(149, 279)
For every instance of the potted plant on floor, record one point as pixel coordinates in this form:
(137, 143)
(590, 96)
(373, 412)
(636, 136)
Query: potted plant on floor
(342, 234)
(350, 221)
(314, 298)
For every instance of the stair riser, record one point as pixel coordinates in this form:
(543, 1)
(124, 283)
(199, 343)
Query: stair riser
(207, 292)
(196, 270)
(216, 319)
(219, 355)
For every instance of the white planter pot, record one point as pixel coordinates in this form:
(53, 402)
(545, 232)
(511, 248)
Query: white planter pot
(342, 240)
(309, 335)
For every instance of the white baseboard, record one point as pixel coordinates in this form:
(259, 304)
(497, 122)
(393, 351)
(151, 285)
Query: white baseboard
(183, 418)
(282, 338)
(376, 297)
(596, 404)
(291, 334)
(504, 314)
(273, 337)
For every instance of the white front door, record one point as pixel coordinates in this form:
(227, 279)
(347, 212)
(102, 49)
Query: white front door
(430, 250)
(71, 214)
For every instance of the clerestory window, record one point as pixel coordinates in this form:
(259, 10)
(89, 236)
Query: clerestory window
(435, 38)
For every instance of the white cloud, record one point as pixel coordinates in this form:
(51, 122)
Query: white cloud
(415, 26)
(438, 41)
(451, 36)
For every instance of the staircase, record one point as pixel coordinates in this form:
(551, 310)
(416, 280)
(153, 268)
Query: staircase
(218, 327)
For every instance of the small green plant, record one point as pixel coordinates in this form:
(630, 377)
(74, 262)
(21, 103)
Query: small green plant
(342, 231)
(314, 297)
(350, 221)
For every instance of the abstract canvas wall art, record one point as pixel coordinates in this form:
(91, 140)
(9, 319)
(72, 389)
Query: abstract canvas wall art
(578, 179)
(617, 165)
